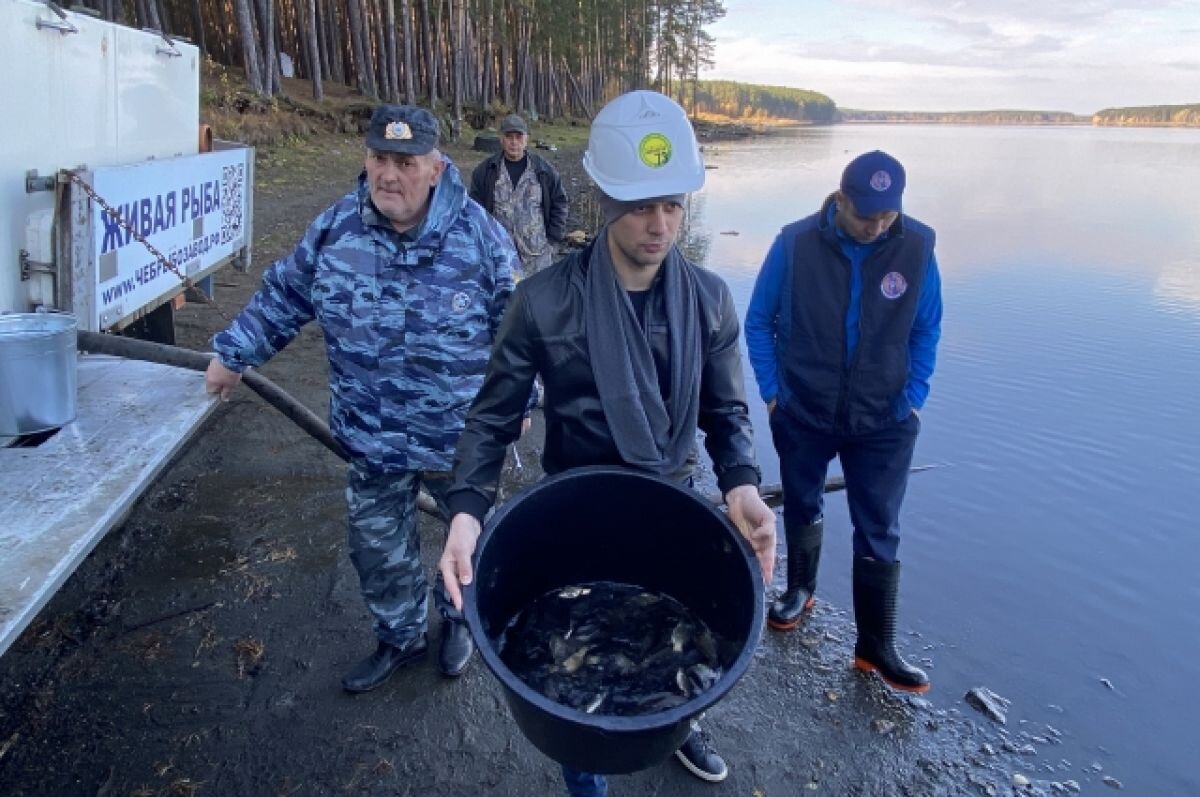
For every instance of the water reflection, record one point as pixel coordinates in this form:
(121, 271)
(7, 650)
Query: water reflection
(1178, 284)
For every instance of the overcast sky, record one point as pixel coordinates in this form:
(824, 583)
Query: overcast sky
(1066, 55)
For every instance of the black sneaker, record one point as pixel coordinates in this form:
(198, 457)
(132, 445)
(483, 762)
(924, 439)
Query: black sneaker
(698, 756)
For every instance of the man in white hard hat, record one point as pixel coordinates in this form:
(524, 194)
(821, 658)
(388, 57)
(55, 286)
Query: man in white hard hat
(638, 349)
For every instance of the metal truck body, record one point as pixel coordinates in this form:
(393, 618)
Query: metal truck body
(117, 109)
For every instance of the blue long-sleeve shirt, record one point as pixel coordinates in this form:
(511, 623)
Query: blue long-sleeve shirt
(762, 319)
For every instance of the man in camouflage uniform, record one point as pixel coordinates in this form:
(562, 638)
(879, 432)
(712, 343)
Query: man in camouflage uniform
(524, 192)
(408, 279)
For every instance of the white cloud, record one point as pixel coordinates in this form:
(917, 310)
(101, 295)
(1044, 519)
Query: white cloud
(970, 54)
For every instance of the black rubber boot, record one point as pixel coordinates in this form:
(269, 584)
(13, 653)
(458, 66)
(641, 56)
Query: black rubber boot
(803, 556)
(876, 585)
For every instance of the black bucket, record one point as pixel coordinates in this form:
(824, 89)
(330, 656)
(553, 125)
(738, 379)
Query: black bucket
(611, 524)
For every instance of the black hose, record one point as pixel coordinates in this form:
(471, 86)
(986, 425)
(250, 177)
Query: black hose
(277, 397)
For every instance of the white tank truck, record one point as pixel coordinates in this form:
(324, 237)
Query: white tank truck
(97, 116)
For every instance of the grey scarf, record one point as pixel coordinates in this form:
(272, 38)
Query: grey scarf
(651, 435)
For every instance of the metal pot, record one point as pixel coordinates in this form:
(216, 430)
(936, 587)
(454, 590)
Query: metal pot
(37, 372)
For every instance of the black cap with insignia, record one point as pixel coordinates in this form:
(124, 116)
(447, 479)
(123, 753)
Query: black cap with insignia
(402, 128)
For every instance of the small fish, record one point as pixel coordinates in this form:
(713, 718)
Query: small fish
(559, 649)
(679, 637)
(701, 677)
(707, 645)
(571, 593)
(681, 681)
(575, 660)
(594, 703)
(622, 664)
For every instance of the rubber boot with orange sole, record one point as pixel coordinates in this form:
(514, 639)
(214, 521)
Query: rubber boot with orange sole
(876, 586)
(803, 555)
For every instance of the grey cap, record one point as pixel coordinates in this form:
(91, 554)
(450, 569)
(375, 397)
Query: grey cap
(402, 128)
(514, 124)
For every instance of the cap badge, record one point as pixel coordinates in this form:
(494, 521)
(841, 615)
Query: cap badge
(881, 180)
(893, 285)
(655, 150)
(397, 131)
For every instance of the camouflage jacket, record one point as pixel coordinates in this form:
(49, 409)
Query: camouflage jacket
(408, 324)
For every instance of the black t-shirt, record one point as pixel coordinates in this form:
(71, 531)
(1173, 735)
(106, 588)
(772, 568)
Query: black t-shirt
(639, 299)
(516, 168)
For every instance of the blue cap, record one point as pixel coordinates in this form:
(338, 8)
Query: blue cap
(874, 183)
(402, 128)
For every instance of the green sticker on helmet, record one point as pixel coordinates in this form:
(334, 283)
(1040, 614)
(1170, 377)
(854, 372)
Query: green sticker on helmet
(655, 150)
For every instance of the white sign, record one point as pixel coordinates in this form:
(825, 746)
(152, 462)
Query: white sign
(192, 209)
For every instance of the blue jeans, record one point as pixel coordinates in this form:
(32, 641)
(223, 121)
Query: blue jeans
(875, 466)
(584, 784)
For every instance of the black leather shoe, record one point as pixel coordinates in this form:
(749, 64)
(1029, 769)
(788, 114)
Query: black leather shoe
(374, 670)
(457, 648)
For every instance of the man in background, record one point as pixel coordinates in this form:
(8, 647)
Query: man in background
(525, 193)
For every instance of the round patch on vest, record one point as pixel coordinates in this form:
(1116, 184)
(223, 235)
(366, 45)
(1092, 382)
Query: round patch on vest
(881, 181)
(893, 285)
(460, 302)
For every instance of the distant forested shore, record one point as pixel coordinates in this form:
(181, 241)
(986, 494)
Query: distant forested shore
(995, 117)
(765, 105)
(1149, 116)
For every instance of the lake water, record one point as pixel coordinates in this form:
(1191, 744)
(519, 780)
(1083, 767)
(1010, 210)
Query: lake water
(1059, 547)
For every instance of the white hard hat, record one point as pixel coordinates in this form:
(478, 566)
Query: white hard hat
(642, 145)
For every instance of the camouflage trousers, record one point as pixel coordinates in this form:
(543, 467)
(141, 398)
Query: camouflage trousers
(385, 548)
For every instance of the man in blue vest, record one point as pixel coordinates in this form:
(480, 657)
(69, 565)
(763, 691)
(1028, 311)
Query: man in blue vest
(842, 332)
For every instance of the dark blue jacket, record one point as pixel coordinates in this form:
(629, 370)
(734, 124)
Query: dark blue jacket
(844, 335)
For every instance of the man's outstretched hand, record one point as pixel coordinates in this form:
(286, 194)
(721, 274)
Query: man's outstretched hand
(755, 520)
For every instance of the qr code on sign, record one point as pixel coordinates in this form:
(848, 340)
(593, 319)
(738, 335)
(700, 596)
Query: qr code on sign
(233, 182)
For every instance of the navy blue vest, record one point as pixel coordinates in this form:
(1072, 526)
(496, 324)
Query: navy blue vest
(819, 386)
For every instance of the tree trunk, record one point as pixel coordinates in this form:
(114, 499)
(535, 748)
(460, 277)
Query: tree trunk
(358, 37)
(314, 50)
(322, 33)
(456, 52)
(198, 27)
(410, 92)
(431, 71)
(488, 87)
(266, 27)
(389, 40)
(337, 52)
(245, 25)
(160, 11)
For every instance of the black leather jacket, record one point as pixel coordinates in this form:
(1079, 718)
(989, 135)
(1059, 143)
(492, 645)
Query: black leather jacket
(554, 198)
(543, 332)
